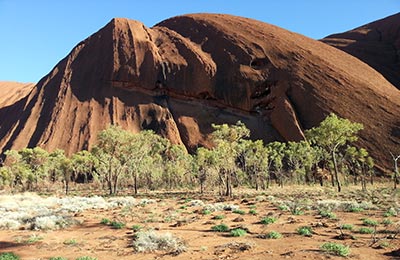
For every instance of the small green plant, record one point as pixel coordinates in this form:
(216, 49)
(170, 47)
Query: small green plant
(183, 207)
(219, 217)
(220, 228)
(327, 214)
(86, 258)
(253, 207)
(365, 230)
(70, 242)
(283, 207)
(206, 212)
(370, 222)
(117, 225)
(355, 209)
(274, 235)
(238, 232)
(253, 212)
(305, 231)
(387, 222)
(58, 258)
(336, 249)
(239, 211)
(268, 220)
(9, 256)
(105, 221)
(136, 228)
(390, 213)
(33, 239)
(347, 226)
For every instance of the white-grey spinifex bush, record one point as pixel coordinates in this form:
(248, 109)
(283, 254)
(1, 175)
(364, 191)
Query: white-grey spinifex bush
(150, 241)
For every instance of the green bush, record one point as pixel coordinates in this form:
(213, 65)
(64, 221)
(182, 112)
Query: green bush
(274, 235)
(305, 231)
(327, 214)
(336, 249)
(117, 225)
(390, 213)
(347, 226)
(58, 258)
(238, 232)
(9, 256)
(136, 228)
(105, 221)
(219, 217)
(253, 212)
(86, 258)
(370, 222)
(206, 212)
(355, 209)
(220, 228)
(268, 220)
(387, 221)
(239, 211)
(365, 230)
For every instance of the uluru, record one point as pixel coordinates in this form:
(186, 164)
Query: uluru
(189, 71)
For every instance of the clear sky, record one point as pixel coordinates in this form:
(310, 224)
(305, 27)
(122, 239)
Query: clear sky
(36, 34)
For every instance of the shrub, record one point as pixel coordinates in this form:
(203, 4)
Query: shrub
(239, 211)
(327, 214)
(268, 220)
(220, 228)
(390, 213)
(33, 239)
(136, 228)
(238, 232)
(86, 258)
(8, 256)
(206, 212)
(70, 242)
(305, 231)
(219, 217)
(347, 226)
(387, 221)
(149, 241)
(274, 235)
(365, 230)
(370, 222)
(117, 225)
(58, 258)
(253, 212)
(336, 249)
(105, 221)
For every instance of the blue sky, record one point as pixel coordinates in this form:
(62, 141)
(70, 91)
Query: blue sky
(36, 34)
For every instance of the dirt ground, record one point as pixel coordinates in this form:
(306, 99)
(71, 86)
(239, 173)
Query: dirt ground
(181, 215)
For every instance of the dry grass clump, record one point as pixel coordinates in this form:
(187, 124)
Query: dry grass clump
(150, 241)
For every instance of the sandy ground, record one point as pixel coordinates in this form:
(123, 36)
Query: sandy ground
(177, 215)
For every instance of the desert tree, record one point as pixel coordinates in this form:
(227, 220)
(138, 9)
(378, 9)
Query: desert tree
(333, 134)
(396, 169)
(276, 154)
(205, 167)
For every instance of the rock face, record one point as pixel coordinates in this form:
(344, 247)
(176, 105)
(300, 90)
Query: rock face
(187, 72)
(376, 43)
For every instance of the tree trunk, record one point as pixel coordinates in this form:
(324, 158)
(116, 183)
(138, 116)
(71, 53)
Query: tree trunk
(339, 187)
(395, 174)
(135, 183)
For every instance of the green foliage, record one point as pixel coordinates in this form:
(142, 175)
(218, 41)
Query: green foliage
(86, 258)
(220, 228)
(370, 222)
(70, 242)
(274, 235)
(327, 214)
(206, 212)
(105, 221)
(387, 222)
(117, 225)
(305, 231)
(390, 213)
(238, 232)
(347, 226)
(9, 256)
(253, 212)
(365, 230)
(268, 220)
(58, 258)
(136, 228)
(239, 211)
(336, 249)
(218, 217)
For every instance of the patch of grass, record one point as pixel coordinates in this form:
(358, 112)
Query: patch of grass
(206, 212)
(355, 209)
(239, 211)
(370, 222)
(86, 258)
(268, 220)
(149, 241)
(136, 228)
(283, 207)
(70, 242)
(365, 230)
(220, 228)
(347, 226)
(387, 222)
(336, 249)
(105, 221)
(183, 207)
(33, 239)
(238, 232)
(9, 256)
(327, 214)
(219, 217)
(274, 235)
(253, 212)
(390, 213)
(117, 225)
(58, 258)
(305, 231)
